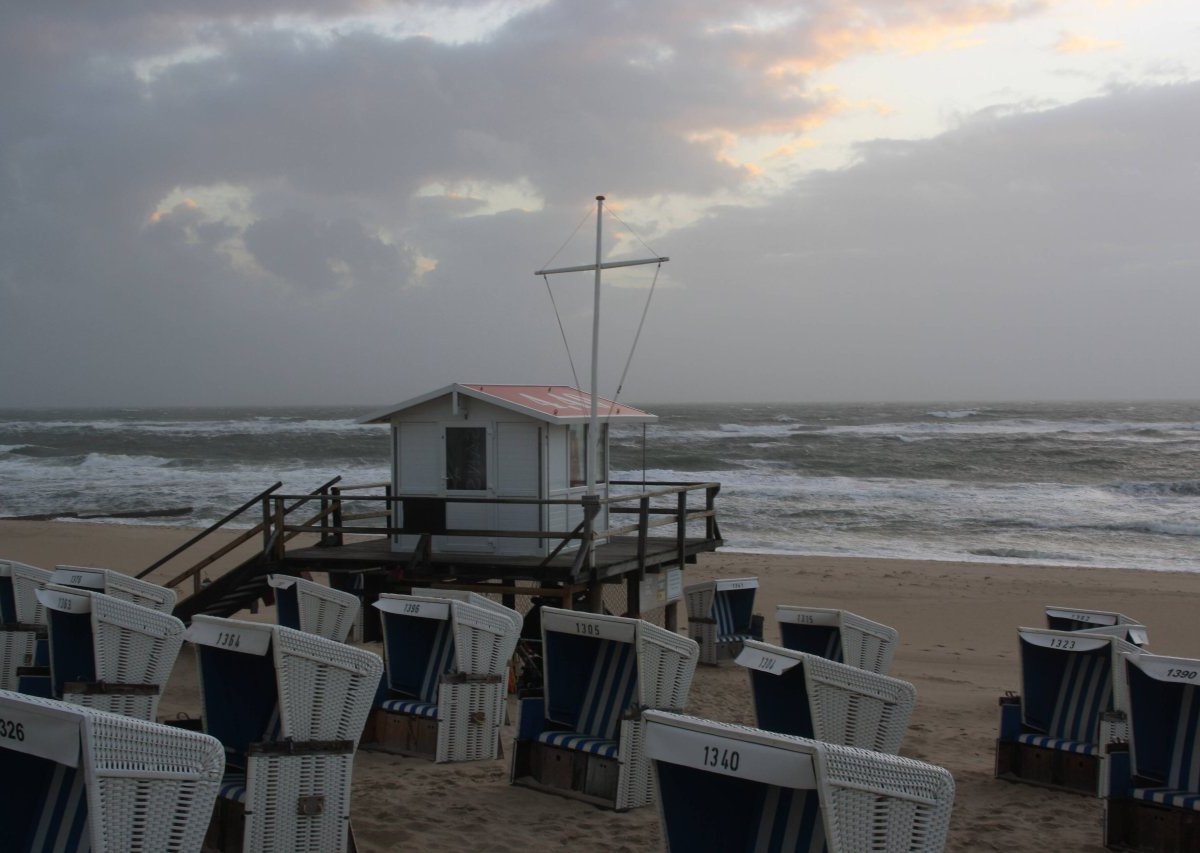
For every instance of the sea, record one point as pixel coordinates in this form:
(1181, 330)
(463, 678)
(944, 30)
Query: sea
(1091, 484)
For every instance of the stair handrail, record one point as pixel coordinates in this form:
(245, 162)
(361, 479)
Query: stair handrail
(211, 529)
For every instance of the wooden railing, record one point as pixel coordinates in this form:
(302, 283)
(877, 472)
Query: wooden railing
(332, 524)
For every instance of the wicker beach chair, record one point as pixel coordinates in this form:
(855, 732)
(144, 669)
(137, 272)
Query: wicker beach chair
(1056, 731)
(584, 737)
(838, 635)
(721, 616)
(22, 620)
(118, 585)
(809, 696)
(1153, 785)
(446, 676)
(109, 654)
(307, 606)
(77, 779)
(1097, 621)
(734, 788)
(289, 708)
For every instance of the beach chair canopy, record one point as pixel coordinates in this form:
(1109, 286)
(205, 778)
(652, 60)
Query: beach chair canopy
(468, 597)
(1097, 621)
(289, 708)
(599, 673)
(734, 788)
(838, 635)
(1164, 729)
(796, 693)
(308, 606)
(1068, 680)
(22, 620)
(79, 779)
(721, 615)
(116, 584)
(103, 649)
(447, 660)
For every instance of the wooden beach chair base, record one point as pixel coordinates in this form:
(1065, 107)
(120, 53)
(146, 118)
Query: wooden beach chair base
(1150, 828)
(1050, 768)
(401, 734)
(568, 772)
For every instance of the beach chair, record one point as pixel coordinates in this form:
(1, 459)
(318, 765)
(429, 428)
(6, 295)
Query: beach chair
(76, 779)
(22, 621)
(289, 708)
(838, 635)
(446, 676)
(1097, 621)
(308, 606)
(721, 616)
(1153, 797)
(109, 654)
(117, 585)
(584, 737)
(1055, 732)
(796, 693)
(734, 788)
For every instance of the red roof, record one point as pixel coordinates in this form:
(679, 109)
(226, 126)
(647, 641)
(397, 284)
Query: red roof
(553, 403)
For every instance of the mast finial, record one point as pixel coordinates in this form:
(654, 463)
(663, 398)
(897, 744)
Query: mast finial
(599, 198)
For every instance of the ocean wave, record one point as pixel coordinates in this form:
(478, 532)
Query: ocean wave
(1187, 488)
(956, 414)
(1028, 554)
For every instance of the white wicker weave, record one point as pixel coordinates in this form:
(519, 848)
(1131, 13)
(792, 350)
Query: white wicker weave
(18, 638)
(325, 691)
(666, 664)
(118, 585)
(471, 695)
(848, 705)
(323, 611)
(869, 801)
(148, 788)
(131, 645)
(865, 644)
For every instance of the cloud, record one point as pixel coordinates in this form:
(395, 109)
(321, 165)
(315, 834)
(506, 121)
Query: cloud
(300, 201)
(1075, 43)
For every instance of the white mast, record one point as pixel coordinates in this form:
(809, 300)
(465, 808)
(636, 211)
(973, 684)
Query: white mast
(593, 418)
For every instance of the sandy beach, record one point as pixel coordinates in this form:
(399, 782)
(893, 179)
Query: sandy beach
(957, 624)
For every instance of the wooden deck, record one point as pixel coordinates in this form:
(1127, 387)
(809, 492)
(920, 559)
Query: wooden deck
(613, 561)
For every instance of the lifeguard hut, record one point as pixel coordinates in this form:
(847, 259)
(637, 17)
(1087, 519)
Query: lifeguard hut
(477, 465)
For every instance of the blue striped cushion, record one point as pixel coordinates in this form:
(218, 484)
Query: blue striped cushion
(233, 787)
(1084, 693)
(729, 638)
(790, 820)
(415, 707)
(63, 822)
(1185, 759)
(580, 742)
(1169, 797)
(610, 690)
(1061, 744)
(441, 659)
(722, 611)
(833, 651)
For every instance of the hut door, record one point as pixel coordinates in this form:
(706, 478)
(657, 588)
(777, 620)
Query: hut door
(518, 475)
(467, 473)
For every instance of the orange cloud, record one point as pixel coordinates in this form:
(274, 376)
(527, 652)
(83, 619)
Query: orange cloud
(1072, 43)
(865, 33)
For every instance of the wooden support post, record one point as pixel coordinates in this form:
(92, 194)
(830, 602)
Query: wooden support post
(595, 591)
(633, 593)
(671, 616)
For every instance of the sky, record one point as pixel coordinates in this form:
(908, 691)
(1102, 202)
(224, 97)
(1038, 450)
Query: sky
(208, 202)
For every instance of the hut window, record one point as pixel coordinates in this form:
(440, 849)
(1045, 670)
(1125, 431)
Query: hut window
(577, 450)
(466, 459)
